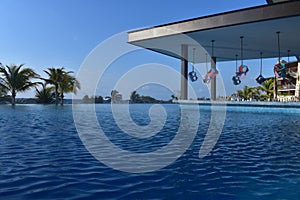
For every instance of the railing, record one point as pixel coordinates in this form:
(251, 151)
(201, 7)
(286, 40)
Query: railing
(287, 87)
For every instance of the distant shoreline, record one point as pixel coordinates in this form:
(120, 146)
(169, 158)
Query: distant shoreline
(191, 102)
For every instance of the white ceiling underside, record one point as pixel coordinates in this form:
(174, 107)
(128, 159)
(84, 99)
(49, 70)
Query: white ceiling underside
(257, 25)
(258, 37)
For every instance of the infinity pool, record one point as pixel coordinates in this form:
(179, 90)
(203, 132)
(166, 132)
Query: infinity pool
(257, 156)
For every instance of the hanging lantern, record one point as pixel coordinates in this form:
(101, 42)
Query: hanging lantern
(193, 75)
(279, 69)
(242, 72)
(212, 73)
(236, 79)
(243, 69)
(260, 79)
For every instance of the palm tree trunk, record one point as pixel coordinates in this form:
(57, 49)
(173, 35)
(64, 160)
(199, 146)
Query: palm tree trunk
(62, 99)
(13, 98)
(56, 94)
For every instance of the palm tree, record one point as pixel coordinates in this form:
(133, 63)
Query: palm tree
(246, 93)
(134, 97)
(68, 84)
(45, 95)
(267, 87)
(16, 79)
(63, 82)
(3, 91)
(255, 93)
(55, 76)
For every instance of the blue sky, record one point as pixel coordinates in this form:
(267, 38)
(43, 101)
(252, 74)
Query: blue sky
(55, 33)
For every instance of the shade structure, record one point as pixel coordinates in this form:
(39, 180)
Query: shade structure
(275, 1)
(219, 36)
(258, 25)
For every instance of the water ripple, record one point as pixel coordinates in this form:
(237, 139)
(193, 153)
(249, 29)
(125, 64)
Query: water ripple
(42, 157)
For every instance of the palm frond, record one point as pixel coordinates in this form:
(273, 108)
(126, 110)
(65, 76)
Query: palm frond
(17, 79)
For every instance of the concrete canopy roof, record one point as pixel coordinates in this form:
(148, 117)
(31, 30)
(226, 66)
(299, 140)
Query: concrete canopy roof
(276, 1)
(258, 26)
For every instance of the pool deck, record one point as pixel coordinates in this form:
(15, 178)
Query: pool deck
(243, 103)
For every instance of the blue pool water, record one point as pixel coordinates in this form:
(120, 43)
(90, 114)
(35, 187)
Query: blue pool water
(256, 157)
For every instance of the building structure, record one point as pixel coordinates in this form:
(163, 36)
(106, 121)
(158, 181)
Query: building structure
(219, 35)
(289, 85)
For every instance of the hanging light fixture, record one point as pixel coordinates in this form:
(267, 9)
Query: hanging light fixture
(279, 67)
(193, 76)
(205, 79)
(260, 79)
(243, 69)
(212, 73)
(212, 48)
(278, 44)
(236, 80)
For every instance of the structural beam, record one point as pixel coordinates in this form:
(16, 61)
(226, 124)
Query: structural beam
(231, 18)
(256, 23)
(184, 72)
(275, 1)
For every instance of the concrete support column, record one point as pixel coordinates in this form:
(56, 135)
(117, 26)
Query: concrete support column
(184, 72)
(297, 92)
(213, 82)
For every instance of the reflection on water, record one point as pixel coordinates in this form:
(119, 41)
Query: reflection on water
(42, 157)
